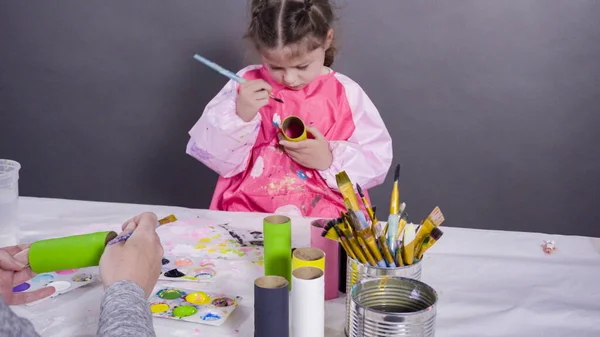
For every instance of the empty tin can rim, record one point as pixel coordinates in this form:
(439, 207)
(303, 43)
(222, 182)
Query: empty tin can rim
(403, 279)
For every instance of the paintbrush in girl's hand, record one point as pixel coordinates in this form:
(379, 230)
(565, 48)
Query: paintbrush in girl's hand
(166, 220)
(232, 76)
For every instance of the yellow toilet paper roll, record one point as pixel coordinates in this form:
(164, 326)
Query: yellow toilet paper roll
(308, 257)
(293, 129)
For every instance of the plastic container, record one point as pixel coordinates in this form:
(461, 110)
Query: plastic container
(9, 198)
(392, 306)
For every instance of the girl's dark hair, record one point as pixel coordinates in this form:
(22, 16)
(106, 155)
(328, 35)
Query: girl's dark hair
(279, 23)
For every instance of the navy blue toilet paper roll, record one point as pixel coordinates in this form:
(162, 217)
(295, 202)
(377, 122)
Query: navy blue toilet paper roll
(342, 258)
(271, 307)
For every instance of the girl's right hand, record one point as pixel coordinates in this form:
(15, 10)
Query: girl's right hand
(252, 96)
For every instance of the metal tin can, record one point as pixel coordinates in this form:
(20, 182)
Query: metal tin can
(356, 271)
(392, 306)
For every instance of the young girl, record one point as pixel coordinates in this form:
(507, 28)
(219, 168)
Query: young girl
(238, 135)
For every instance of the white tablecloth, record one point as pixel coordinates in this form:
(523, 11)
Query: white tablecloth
(490, 283)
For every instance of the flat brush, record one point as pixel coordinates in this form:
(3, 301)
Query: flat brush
(344, 242)
(371, 243)
(352, 224)
(354, 221)
(435, 235)
(389, 259)
(329, 231)
(408, 244)
(232, 76)
(366, 251)
(435, 219)
(346, 188)
(353, 243)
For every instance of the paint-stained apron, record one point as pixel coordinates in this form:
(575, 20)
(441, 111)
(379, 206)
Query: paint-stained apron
(273, 181)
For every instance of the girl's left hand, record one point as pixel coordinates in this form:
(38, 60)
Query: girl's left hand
(310, 153)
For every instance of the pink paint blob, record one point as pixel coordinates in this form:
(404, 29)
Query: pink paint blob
(66, 272)
(183, 262)
(206, 262)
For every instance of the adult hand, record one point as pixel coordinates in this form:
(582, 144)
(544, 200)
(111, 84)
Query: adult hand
(14, 270)
(252, 96)
(138, 259)
(310, 153)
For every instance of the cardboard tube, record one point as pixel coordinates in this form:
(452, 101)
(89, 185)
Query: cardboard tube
(277, 232)
(293, 129)
(308, 257)
(71, 252)
(308, 303)
(271, 307)
(330, 248)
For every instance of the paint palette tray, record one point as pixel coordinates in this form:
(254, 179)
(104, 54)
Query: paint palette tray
(63, 281)
(192, 305)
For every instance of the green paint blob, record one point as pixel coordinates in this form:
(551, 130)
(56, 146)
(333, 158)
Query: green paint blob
(170, 294)
(184, 311)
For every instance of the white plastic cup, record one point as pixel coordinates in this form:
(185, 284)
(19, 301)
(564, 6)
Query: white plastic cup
(9, 198)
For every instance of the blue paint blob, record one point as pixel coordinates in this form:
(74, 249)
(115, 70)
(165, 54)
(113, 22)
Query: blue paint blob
(211, 316)
(302, 175)
(43, 278)
(21, 287)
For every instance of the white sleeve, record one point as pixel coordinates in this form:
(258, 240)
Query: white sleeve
(220, 139)
(367, 155)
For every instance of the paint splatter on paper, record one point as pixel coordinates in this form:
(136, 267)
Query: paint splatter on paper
(194, 239)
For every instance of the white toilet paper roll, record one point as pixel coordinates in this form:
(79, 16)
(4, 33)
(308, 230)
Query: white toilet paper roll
(308, 302)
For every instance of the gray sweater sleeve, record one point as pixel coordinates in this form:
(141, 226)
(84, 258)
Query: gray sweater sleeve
(12, 325)
(125, 312)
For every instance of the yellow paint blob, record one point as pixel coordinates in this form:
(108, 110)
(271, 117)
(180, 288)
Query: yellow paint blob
(158, 307)
(198, 298)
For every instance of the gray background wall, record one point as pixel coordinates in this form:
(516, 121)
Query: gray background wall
(493, 105)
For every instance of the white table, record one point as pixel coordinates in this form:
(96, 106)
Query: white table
(490, 283)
